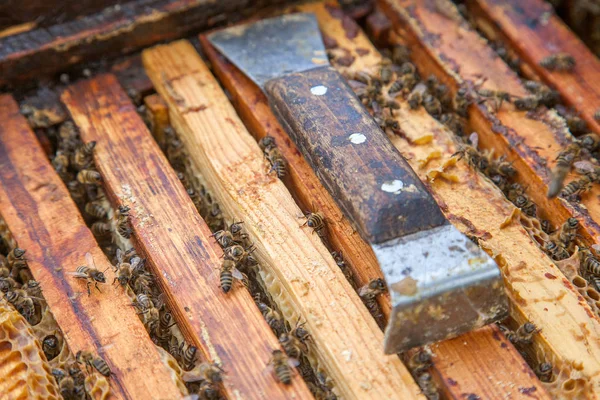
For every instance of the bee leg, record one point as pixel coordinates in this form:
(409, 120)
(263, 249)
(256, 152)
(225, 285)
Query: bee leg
(97, 287)
(88, 288)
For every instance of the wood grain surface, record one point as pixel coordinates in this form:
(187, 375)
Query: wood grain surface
(45, 221)
(347, 341)
(227, 328)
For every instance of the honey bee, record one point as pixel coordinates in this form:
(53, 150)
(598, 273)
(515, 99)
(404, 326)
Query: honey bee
(546, 226)
(497, 96)
(77, 191)
(372, 289)
(196, 199)
(590, 141)
(123, 226)
(82, 158)
(95, 210)
(556, 250)
(515, 190)
(462, 100)
(89, 177)
(561, 62)
(97, 363)
(214, 218)
(544, 372)
(90, 273)
(452, 122)
(300, 333)
(50, 346)
(432, 105)
(60, 162)
(527, 103)
(564, 161)
(66, 387)
(207, 391)
(238, 253)
(15, 255)
(590, 263)
(419, 362)
(474, 157)
(7, 284)
(525, 332)
(124, 270)
(339, 260)
(546, 96)
(567, 232)
(315, 221)
(282, 366)
(385, 70)
(22, 302)
(387, 123)
(292, 345)
(273, 317)
(400, 54)
(228, 273)
(425, 381)
(188, 357)
(527, 206)
(266, 142)
(101, 229)
(230, 237)
(183, 179)
(415, 98)
(278, 163)
(574, 122)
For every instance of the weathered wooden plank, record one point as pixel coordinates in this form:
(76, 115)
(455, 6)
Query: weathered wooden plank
(452, 361)
(110, 32)
(45, 221)
(13, 12)
(539, 291)
(444, 45)
(534, 32)
(347, 341)
(227, 328)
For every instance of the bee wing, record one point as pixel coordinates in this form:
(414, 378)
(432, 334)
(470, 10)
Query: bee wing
(596, 247)
(237, 274)
(474, 139)
(119, 256)
(363, 290)
(292, 362)
(90, 260)
(78, 274)
(584, 166)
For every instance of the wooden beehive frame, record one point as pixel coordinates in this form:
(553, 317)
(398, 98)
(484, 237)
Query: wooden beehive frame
(480, 210)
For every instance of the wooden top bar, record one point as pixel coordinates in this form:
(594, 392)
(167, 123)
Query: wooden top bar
(45, 221)
(227, 328)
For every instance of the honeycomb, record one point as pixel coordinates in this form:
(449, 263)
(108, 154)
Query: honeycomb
(22, 358)
(569, 267)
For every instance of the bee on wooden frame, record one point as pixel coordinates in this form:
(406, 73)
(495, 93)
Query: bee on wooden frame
(282, 366)
(90, 273)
